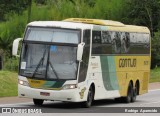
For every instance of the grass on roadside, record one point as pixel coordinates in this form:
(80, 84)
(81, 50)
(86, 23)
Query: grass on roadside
(155, 75)
(8, 83)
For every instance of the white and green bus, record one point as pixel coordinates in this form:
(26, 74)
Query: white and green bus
(81, 60)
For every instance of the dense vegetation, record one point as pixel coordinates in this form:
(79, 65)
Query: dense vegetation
(15, 14)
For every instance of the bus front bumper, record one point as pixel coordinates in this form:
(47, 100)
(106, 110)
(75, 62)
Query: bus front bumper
(71, 95)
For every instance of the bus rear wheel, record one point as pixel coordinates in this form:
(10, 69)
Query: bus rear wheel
(88, 103)
(129, 96)
(134, 95)
(38, 102)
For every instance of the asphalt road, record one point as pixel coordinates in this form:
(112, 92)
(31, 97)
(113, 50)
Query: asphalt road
(149, 101)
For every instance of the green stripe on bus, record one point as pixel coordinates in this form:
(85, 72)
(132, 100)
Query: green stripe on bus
(58, 84)
(53, 84)
(109, 72)
(49, 83)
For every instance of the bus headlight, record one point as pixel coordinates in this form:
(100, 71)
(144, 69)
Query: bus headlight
(69, 86)
(21, 82)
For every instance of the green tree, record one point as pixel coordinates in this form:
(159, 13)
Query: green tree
(156, 49)
(29, 10)
(144, 12)
(11, 6)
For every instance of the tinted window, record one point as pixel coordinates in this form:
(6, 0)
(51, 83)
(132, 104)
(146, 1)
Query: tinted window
(139, 44)
(101, 42)
(85, 57)
(109, 42)
(52, 35)
(116, 42)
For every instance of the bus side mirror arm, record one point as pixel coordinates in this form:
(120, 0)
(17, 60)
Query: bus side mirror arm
(15, 47)
(80, 51)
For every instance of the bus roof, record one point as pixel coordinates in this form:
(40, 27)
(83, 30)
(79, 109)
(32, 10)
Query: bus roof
(112, 25)
(130, 28)
(81, 23)
(60, 24)
(96, 21)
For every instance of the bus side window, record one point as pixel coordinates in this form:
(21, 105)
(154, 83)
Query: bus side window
(96, 37)
(125, 42)
(85, 57)
(106, 37)
(143, 44)
(116, 42)
(96, 42)
(101, 42)
(146, 43)
(106, 46)
(139, 43)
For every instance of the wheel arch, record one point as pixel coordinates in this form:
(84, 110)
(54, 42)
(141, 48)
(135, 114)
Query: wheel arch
(137, 84)
(131, 81)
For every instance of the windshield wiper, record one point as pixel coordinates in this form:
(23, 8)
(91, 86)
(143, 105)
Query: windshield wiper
(54, 70)
(41, 60)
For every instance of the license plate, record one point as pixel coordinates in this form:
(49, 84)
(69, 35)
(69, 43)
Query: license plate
(44, 93)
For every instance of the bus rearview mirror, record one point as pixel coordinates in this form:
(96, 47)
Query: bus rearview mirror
(80, 51)
(15, 46)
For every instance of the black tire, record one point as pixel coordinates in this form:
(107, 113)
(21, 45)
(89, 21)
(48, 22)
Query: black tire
(38, 102)
(129, 96)
(89, 101)
(133, 99)
(134, 95)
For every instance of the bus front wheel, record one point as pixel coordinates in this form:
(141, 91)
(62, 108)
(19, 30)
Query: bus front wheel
(88, 103)
(38, 102)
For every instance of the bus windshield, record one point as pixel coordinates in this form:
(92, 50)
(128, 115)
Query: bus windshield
(49, 53)
(48, 61)
(52, 35)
